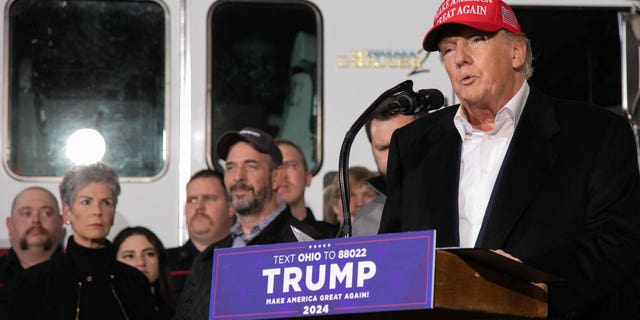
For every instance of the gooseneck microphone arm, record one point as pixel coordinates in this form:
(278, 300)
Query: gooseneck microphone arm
(343, 165)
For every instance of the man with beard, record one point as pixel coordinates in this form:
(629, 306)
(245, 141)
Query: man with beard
(295, 180)
(253, 169)
(209, 219)
(35, 231)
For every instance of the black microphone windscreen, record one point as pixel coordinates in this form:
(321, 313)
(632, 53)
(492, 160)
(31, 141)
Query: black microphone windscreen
(433, 97)
(404, 103)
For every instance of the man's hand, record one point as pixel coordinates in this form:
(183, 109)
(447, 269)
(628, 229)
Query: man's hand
(502, 253)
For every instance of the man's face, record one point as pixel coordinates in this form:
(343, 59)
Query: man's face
(35, 222)
(249, 179)
(482, 66)
(295, 179)
(207, 209)
(381, 131)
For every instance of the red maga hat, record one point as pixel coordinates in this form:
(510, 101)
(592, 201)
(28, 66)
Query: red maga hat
(484, 15)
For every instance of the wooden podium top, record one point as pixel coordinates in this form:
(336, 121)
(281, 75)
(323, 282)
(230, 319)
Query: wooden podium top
(465, 285)
(468, 289)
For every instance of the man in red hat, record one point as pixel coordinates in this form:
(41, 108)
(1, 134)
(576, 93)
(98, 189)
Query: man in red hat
(548, 182)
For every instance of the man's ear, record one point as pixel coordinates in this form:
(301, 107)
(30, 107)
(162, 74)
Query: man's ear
(230, 210)
(8, 221)
(308, 177)
(276, 176)
(519, 53)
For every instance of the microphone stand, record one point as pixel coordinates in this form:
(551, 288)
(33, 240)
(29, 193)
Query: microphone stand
(343, 165)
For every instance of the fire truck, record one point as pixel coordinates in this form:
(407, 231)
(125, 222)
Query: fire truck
(149, 86)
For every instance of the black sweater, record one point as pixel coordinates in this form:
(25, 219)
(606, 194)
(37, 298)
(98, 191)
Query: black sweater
(87, 284)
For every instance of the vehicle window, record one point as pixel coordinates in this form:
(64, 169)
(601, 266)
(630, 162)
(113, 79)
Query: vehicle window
(631, 79)
(86, 83)
(576, 53)
(265, 72)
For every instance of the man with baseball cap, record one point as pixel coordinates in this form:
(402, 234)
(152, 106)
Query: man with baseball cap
(253, 165)
(551, 183)
(253, 169)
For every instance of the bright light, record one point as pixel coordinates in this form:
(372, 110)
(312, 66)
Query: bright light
(85, 146)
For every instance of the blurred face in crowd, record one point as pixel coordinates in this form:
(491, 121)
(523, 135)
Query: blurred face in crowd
(91, 214)
(381, 131)
(250, 177)
(35, 221)
(361, 195)
(207, 210)
(138, 252)
(295, 178)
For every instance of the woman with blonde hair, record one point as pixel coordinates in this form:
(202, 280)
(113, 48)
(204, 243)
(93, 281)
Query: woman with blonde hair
(360, 193)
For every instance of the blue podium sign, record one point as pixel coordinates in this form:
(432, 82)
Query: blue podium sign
(335, 276)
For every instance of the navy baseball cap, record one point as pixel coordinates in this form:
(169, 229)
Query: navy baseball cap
(258, 139)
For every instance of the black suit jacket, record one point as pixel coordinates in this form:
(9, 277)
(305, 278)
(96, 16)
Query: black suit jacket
(566, 200)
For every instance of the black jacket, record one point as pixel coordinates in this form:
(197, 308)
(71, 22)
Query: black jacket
(180, 261)
(11, 273)
(90, 282)
(326, 230)
(566, 200)
(194, 301)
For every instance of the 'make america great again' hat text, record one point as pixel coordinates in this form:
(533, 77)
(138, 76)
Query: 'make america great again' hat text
(484, 15)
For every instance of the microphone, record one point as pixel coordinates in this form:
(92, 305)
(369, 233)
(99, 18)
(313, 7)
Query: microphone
(408, 102)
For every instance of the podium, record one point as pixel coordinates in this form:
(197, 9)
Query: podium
(390, 276)
(468, 289)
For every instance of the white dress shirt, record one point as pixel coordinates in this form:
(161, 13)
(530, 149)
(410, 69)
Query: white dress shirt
(482, 155)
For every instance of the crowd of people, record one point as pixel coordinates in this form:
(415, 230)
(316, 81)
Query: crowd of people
(255, 201)
(550, 183)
